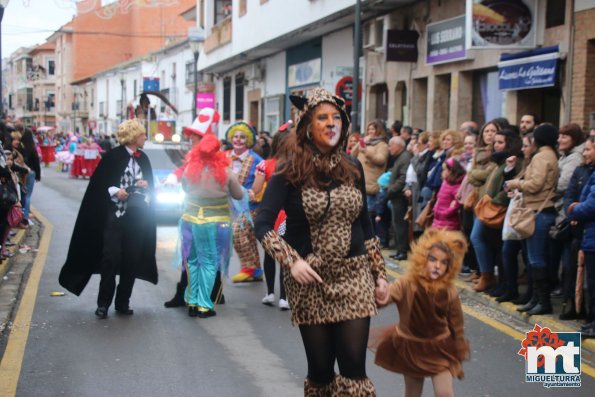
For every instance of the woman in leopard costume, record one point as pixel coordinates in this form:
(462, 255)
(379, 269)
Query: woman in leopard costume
(334, 270)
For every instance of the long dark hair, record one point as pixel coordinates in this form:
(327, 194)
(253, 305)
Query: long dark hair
(28, 143)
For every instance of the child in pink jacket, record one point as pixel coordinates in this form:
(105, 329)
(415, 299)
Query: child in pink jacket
(446, 209)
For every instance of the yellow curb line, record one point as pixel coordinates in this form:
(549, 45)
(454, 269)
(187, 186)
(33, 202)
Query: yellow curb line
(505, 329)
(10, 367)
(4, 265)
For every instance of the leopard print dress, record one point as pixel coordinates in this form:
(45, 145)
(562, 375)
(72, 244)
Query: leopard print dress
(347, 290)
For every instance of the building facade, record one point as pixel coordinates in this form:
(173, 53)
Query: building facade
(406, 71)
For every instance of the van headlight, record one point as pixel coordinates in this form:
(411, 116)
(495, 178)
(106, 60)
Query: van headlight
(171, 197)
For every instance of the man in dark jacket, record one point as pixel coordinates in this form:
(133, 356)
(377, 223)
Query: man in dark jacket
(396, 147)
(115, 231)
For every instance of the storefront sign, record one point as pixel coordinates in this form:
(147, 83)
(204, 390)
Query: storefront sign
(304, 73)
(344, 89)
(446, 41)
(205, 100)
(401, 45)
(529, 69)
(501, 23)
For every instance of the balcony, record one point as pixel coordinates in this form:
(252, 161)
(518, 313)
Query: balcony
(220, 34)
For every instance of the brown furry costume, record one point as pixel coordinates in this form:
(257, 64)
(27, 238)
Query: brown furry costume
(430, 336)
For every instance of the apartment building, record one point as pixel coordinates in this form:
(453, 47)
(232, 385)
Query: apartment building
(257, 52)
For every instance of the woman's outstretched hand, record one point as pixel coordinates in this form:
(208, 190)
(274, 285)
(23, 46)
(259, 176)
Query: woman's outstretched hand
(303, 273)
(382, 295)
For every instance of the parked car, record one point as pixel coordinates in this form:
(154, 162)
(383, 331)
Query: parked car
(166, 158)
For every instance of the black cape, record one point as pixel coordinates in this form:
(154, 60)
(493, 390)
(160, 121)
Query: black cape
(86, 244)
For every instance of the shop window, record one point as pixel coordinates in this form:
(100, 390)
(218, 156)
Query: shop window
(227, 98)
(239, 111)
(555, 13)
(419, 103)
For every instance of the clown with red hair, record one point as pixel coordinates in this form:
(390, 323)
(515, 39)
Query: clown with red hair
(205, 227)
(205, 123)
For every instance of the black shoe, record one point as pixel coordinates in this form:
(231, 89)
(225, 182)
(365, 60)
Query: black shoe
(125, 310)
(522, 299)
(206, 314)
(508, 296)
(178, 299)
(192, 311)
(589, 333)
(101, 312)
(497, 291)
(587, 326)
(399, 256)
(466, 270)
(541, 308)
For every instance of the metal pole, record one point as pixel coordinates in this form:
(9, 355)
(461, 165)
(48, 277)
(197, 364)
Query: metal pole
(122, 108)
(356, 53)
(195, 85)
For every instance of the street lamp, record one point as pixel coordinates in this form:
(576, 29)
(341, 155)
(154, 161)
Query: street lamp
(3, 5)
(196, 37)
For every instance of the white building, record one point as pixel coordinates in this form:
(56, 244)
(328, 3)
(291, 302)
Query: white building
(258, 52)
(116, 91)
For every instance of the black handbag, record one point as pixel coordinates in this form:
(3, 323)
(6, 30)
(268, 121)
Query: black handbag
(561, 231)
(8, 196)
(136, 198)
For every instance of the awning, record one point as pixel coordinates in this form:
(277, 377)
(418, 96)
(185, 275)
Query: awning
(528, 69)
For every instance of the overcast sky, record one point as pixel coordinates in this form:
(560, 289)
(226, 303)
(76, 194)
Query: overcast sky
(31, 22)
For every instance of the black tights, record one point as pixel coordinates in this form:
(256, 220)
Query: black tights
(269, 275)
(345, 342)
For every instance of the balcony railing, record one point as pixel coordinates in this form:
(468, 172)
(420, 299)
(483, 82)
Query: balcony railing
(220, 34)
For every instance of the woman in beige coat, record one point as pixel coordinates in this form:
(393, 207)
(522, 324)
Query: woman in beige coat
(372, 153)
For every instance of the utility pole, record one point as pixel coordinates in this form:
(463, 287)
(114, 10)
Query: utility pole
(356, 53)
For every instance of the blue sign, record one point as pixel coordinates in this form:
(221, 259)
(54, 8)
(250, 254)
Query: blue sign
(529, 69)
(150, 83)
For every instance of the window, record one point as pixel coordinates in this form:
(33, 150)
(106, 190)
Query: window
(271, 113)
(226, 98)
(223, 9)
(101, 109)
(51, 67)
(165, 93)
(119, 107)
(188, 75)
(555, 13)
(29, 99)
(134, 88)
(51, 101)
(239, 96)
(243, 7)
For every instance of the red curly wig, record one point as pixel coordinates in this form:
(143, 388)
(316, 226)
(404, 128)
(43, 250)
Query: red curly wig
(206, 154)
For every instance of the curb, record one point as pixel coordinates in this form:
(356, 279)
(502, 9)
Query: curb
(6, 264)
(550, 321)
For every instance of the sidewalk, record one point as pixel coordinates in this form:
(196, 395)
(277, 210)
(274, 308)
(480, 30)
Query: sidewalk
(550, 320)
(14, 272)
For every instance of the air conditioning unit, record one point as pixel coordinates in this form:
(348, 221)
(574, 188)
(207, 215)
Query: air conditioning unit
(254, 72)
